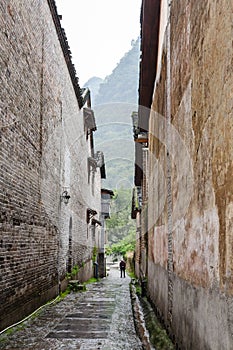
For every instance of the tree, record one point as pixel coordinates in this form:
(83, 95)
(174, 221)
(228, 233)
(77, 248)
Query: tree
(120, 226)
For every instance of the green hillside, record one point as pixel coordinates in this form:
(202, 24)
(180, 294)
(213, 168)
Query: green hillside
(113, 100)
(114, 103)
(122, 84)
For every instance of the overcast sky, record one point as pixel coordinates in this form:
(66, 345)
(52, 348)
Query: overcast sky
(99, 33)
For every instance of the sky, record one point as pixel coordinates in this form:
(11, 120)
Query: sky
(99, 33)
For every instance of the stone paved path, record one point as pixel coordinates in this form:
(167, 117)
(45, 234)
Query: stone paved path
(100, 318)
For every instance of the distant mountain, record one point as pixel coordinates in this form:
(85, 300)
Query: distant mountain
(94, 84)
(115, 98)
(122, 84)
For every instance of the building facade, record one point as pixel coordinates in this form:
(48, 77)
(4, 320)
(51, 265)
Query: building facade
(106, 196)
(50, 198)
(186, 111)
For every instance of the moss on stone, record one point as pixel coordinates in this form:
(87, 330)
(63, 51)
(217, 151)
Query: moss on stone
(158, 335)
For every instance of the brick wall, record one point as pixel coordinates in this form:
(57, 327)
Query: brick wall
(190, 245)
(43, 151)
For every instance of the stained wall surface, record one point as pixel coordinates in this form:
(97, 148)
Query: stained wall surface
(190, 207)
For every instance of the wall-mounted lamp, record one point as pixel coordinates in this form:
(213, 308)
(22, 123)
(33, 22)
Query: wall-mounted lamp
(90, 214)
(95, 222)
(65, 197)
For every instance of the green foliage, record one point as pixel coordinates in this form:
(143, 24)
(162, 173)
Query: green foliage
(127, 244)
(94, 253)
(138, 289)
(73, 273)
(120, 225)
(64, 294)
(75, 270)
(91, 280)
(10, 331)
(158, 335)
(131, 274)
(76, 287)
(108, 250)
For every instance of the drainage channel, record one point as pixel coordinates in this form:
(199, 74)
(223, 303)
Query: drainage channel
(150, 331)
(139, 320)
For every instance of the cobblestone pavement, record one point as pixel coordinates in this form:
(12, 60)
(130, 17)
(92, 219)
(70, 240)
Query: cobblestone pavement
(100, 318)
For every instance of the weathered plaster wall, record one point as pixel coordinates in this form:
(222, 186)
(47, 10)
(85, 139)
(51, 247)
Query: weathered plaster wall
(199, 296)
(43, 151)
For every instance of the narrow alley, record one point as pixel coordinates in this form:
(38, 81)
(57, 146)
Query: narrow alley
(100, 318)
(133, 163)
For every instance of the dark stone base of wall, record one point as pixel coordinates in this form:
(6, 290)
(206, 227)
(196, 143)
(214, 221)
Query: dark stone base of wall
(102, 265)
(201, 318)
(86, 272)
(26, 309)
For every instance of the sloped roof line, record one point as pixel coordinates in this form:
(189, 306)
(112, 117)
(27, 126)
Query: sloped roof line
(66, 51)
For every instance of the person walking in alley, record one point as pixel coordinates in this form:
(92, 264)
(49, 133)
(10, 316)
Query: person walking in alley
(122, 267)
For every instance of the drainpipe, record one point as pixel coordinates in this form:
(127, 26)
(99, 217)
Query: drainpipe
(169, 169)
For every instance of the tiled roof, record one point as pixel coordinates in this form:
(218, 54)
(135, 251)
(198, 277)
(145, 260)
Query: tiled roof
(66, 51)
